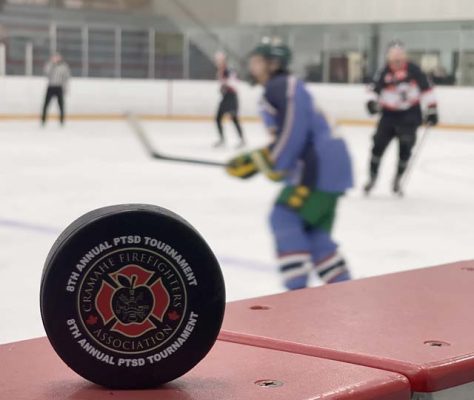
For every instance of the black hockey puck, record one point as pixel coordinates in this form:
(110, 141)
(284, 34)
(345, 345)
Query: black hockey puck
(131, 296)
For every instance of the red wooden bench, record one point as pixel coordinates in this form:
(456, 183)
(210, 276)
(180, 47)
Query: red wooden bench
(418, 323)
(30, 370)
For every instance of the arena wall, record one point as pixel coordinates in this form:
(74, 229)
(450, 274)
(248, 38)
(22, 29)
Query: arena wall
(22, 97)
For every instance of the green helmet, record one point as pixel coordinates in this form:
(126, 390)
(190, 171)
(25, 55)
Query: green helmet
(274, 49)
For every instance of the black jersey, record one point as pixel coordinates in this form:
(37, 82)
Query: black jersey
(401, 93)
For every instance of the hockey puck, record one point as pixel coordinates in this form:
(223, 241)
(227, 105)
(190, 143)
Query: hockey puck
(131, 296)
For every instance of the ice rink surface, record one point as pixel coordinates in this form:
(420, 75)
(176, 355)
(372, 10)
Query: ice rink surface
(51, 176)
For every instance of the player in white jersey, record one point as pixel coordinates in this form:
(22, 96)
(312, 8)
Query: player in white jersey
(400, 88)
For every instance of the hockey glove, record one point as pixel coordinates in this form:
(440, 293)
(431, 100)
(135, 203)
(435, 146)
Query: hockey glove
(262, 160)
(373, 107)
(248, 164)
(431, 117)
(242, 166)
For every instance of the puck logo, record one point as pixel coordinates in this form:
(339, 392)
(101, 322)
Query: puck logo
(132, 301)
(131, 304)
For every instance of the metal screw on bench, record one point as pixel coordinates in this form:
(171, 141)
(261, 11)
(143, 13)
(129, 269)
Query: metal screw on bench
(269, 383)
(436, 343)
(259, 308)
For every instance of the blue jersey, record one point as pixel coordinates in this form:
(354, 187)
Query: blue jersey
(303, 149)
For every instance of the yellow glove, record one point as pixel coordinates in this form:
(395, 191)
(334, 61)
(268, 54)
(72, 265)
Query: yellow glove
(242, 166)
(263, 162)
(248, 164)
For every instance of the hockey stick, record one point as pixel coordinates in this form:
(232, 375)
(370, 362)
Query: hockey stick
(141, 135)
(415, 156)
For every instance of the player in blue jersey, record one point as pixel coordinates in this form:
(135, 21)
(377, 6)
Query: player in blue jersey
(314, 166)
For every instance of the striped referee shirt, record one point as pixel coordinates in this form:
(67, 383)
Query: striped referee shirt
(58, 74)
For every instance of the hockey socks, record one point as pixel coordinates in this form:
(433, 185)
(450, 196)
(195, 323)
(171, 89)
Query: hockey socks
(333, 269)
(295, 270)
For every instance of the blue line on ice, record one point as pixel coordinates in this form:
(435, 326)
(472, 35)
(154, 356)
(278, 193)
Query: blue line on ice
(49, 230)
(10, 223)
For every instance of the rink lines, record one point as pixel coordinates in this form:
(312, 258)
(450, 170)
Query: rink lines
(469, 128)
(226, 261)
(22, 225)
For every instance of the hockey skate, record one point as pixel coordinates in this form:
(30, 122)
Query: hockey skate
(219, 143)
(369, 185)
(397, 188)
(241, 144)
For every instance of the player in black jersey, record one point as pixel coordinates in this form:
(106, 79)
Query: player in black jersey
(400, 89)
(229, 103)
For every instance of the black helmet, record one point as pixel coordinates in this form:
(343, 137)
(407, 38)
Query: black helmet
(274, 49)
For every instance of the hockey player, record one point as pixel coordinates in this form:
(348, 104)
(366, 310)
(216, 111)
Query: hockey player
(315, 169)
(229, 103)
(400, 89)
(58, 74)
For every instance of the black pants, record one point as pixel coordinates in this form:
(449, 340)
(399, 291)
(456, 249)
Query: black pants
(229, 105)
(386, 131)
(53, 91)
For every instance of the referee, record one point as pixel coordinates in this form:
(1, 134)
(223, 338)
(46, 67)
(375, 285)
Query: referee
(58, 74)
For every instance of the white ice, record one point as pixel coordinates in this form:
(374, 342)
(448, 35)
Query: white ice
(49, 177)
